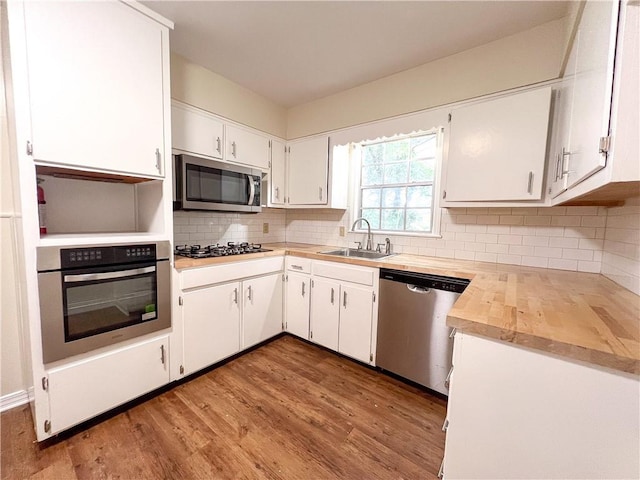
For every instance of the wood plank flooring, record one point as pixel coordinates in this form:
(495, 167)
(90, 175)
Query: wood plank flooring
(287, 410)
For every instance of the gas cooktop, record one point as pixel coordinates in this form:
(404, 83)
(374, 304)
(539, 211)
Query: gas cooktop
(217, 250)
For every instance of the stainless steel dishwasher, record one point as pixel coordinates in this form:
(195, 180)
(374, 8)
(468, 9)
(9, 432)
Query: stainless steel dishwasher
(413, 338)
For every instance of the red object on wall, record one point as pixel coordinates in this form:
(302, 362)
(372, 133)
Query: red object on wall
(42, 209)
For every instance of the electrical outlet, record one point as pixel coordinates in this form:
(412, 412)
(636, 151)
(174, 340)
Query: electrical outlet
(265, 228)
(342, 231)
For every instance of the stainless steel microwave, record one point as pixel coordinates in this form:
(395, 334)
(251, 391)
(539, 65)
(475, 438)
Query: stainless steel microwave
(201, 184)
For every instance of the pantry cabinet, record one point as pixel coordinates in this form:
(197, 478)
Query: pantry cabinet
(196, 131)
(497, 149)
(308, 171)
(211, 317)
(81, 86)
(89, 387)
(515, 412)
(262, 309)
(246, 147)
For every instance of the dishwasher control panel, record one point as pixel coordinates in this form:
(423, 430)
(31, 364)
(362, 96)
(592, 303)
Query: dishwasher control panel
(425, 280)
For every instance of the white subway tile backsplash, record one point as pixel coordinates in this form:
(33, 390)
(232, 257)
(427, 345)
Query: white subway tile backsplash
(549, 252)
(535, 261)
(511, 220)
(575, 254)
(486, 257)
(566, 221)
(521, 250)
(510, 239)
(564, 242)
(535, 241)
(563, 264)
(497, 248)
(537, 220)
(509, 259)
(488, 219)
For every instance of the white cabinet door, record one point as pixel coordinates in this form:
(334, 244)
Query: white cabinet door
(247, 148)
(356, 312)
(278, 173)
(308, 171)
(92, 386)
(196, 131)
(519, 413)
(297, 304)
(497, 148)
(211, 319)
(325, 312)
(595, 51)
(96, 86)
(262, 315)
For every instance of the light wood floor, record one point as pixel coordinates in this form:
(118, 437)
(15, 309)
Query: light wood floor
(287, 410)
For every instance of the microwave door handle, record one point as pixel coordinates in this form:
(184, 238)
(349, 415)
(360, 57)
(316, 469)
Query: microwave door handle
(252, 189)
(85, 277)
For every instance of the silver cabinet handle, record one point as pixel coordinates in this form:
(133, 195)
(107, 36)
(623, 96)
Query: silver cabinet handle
(320, 193)
(344, 299)
(530, 183)
(447, 381)
(564, 171)
(452, 333)
(158, 161)
(163, 357)
(235, 296)
(558, 162)
(303, 285)
(250, 292)
(218, 145)
(445, 425)
(233, 149)
(296, 267)
(277, 193)
(441, 471)
(332, 295)
(84, 277)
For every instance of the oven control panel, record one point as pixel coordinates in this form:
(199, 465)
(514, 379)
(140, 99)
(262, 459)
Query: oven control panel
(92, 256)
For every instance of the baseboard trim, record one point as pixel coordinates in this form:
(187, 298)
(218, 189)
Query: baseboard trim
(13, 400)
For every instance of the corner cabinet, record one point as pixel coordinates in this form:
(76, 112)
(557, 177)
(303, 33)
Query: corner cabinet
(596, 151)
(497, 149)
(515, 412)
(308, 171)
(81, 87)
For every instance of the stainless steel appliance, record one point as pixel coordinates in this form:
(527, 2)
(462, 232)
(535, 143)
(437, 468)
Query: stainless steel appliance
(92, 296)
(413, 338)
(217, 250)
(202, 184)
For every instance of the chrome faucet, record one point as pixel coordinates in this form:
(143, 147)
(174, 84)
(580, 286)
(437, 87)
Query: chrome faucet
(369, 237)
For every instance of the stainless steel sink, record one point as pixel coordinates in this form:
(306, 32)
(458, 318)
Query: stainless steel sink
(354, 252)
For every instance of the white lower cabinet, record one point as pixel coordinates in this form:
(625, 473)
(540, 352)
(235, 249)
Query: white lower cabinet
(211, 325)
(343, 309)
(514, 412)
(91, 386)
(262, 309)
(325, 312)
(297, 304)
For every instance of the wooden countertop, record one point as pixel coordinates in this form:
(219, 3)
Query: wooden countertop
(581, 316)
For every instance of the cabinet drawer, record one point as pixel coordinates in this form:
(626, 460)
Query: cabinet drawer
(298, 264)
(89, 387)
(346, 273)
(199, 277)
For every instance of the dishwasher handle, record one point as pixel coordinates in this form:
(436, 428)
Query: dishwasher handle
(417, 289)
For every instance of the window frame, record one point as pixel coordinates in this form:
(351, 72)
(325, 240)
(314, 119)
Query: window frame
(356, 157)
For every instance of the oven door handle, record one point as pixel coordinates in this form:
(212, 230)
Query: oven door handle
(252, 189)
(85, 277)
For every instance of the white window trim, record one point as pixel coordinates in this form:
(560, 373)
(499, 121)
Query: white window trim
(436, 213)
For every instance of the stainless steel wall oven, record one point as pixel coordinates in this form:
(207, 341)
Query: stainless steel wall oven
(98, 295)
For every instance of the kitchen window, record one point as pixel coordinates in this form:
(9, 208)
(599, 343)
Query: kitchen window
(397, 182)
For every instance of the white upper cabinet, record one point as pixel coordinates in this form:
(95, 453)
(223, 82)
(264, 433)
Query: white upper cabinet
(497, 149)
(600, 142)
(196, 131)
(246, 147)
(308, 171)
(278, 173)
(594, 51)
(96, 72)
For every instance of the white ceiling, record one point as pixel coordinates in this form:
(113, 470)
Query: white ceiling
(293, 52)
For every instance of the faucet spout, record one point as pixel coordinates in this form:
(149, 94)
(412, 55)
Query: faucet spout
(369, 237)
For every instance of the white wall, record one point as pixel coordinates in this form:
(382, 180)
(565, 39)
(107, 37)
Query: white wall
(621, 258)
(525, 58)
(197, 86)
(11, 366)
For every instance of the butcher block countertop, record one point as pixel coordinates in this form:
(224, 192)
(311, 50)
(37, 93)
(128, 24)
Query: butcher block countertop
(581, 316)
